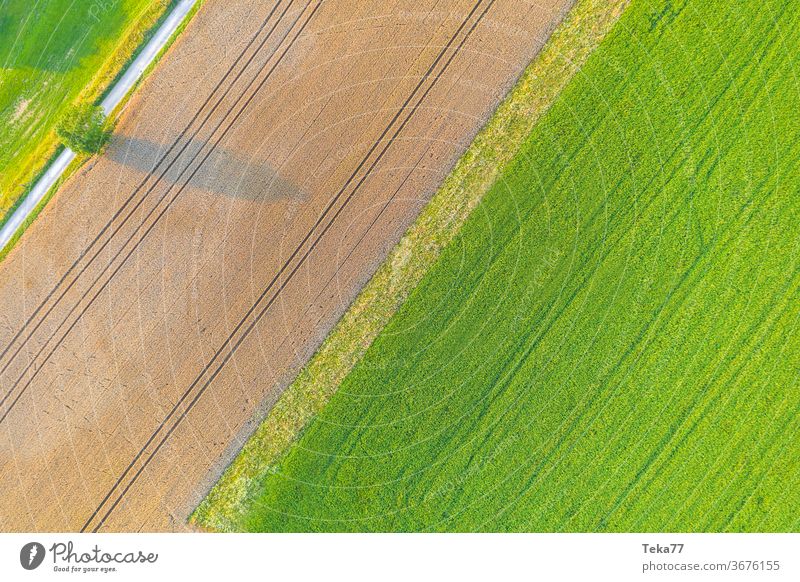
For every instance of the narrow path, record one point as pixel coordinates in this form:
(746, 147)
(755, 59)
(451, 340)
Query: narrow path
(115, 96)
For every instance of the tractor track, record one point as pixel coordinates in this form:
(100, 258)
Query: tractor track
(233, 342)
(31, 364)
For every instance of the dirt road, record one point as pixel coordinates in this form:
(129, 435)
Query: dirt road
(164, 299)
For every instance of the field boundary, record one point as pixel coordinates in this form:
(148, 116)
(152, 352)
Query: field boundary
(96, 91)
(106, 75)
(493, 148)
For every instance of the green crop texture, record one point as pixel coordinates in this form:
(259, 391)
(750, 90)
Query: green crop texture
(611, 342)
(53, 52)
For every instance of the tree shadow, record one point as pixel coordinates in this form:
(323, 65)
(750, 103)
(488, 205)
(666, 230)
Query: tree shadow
(222, 172)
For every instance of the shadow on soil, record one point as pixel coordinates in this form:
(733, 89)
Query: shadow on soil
(221, 173)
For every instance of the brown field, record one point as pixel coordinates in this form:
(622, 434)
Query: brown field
(168, 294)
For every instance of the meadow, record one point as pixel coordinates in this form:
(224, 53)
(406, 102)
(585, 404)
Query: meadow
(610, 342)
(52, 53)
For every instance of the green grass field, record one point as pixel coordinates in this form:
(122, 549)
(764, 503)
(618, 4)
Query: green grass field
(611, 342)
(53, 52)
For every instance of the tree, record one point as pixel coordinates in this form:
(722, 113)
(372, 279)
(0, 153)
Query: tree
(83, 129)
